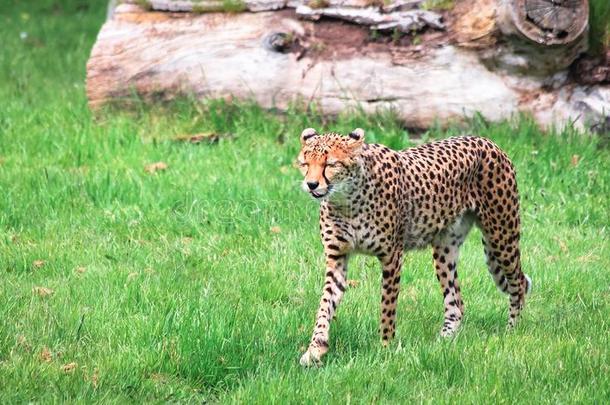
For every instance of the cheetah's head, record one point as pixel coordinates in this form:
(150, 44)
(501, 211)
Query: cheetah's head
(328, 161)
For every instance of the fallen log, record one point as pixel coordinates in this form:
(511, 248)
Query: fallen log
(274, 59)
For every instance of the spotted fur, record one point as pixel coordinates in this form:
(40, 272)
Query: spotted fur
(381, 202)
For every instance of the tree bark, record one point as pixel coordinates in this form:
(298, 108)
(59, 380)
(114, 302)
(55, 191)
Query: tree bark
(375, 18)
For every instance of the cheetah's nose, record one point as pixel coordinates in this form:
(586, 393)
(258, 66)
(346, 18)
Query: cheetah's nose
(312, 185)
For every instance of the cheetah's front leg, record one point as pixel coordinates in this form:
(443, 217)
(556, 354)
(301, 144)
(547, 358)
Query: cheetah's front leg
(334, 287)
(390, 286)
(445, 249)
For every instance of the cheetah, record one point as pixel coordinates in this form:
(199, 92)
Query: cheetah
(381, 202)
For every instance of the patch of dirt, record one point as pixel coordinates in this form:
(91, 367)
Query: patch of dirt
(45, 355)
(205, 137)
(153, 168)
(69, 368)
(42, 291)
(336, 39)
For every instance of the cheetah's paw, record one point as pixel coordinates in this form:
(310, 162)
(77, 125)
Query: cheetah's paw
(449, 331)
(312, 357)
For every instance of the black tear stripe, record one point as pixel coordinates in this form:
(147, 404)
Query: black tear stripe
(325, 178)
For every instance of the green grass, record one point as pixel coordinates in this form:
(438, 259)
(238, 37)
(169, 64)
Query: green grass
(599, 22)
(187, 294)
(438, 4)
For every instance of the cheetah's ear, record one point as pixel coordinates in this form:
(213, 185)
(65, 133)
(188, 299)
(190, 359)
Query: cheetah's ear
(307, 134)
(356, 138)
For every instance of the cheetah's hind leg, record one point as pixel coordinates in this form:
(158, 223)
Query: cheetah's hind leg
(504, 264)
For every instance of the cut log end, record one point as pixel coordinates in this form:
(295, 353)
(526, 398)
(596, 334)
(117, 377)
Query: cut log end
(550, 22)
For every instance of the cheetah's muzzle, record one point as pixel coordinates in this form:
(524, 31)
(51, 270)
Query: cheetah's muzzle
(317, 195)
